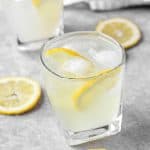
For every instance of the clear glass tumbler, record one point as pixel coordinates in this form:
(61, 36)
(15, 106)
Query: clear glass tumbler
(34, 21)
(83, 74)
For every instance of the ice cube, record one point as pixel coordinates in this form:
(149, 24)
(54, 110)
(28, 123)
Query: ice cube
(77, 66)
(106, 58)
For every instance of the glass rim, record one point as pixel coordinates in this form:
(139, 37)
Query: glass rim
(70, 34)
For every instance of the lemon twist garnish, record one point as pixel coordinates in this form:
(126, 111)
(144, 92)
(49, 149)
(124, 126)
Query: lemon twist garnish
(106, 80)
(124, 31)
(36, 3)
(18, 95)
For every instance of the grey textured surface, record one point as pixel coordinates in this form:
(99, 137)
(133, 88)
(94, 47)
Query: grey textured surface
(37, 130)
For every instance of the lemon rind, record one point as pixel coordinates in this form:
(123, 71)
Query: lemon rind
(65, 50)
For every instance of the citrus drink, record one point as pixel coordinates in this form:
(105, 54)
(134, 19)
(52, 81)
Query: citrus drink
(35, 20)
(83, 77)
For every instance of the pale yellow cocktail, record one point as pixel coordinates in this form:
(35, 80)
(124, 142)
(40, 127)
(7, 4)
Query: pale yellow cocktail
(83, 77)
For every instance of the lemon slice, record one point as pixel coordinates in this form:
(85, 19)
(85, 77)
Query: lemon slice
(84, 96)
(70, 62)
(18, 95)
(36, 3)
(60, 51)
(61, 55)
(123, 30)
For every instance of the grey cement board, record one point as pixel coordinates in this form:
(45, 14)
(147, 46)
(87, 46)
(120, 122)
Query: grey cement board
(37, 130)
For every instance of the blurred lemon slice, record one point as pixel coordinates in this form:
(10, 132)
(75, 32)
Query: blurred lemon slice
(84, 96)
(18, 95)
(124, 31)
(36, 3)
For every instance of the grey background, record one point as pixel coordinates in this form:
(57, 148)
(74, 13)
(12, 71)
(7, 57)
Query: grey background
(37, 130)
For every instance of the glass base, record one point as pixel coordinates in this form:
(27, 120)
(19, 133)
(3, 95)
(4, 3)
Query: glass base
(37, 45)
(76, 138)
(30, 46)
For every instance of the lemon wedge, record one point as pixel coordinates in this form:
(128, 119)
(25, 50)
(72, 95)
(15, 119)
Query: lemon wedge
(124, 31)
(18, 95)
(84, 96)
(36, 3)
